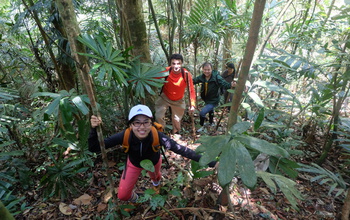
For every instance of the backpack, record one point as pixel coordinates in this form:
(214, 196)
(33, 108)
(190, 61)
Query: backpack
(155, 144)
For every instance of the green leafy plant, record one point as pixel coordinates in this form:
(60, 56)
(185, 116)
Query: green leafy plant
(62, 177)
(324, 176)
(286, 185)
(142, 77)
(110, 63)
(235, 152)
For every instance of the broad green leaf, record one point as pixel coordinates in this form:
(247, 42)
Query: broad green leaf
(147, 165)
(49, 94)
(211, 148)
(65, 111)
(245, 166)
(78, 102)
(227, 163)
(267, 179)
(240, 127)
(52, 108)
(262, 146)
(259, 119)
(283, 166)
(256, 99)
(287, 186)
(199, 173)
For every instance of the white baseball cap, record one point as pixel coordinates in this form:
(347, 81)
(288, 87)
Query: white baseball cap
(140, 110)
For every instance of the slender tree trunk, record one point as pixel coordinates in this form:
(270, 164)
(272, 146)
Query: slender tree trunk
(338, 102)
(150, 5)
(227, 56)
(243, 76)
(267, 37)
(173, 27)
(247, 60)
(47, 42)
(66, 10)
(180, 9)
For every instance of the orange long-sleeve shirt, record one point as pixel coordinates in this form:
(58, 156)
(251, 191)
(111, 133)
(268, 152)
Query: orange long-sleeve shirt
(175, 86)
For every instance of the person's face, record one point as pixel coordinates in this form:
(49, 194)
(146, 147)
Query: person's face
(141, 126)
(230, 70)
(176, 65)
(207, 71)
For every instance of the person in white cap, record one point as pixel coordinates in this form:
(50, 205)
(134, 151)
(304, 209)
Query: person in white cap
(140, 121)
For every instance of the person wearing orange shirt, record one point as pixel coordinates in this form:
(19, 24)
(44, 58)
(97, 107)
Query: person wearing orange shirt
(173, 94)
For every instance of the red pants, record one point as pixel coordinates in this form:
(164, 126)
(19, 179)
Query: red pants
(127, 184)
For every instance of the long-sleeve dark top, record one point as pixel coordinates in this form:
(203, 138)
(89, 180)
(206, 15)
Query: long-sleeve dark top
(142, 149)
(210, 88)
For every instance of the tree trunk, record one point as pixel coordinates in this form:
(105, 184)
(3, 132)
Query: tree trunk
(247, 60)
(337, 104)
(134, 34)
(150, 5)
(70, 24)
(227, 47)
(243, 76)
(68, 74)
(134, 28)
(47, 42)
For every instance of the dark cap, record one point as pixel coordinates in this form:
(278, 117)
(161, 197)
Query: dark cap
(230, 65)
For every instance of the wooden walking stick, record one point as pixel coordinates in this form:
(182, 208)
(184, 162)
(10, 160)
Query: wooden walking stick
(70, 24)
(191, 113)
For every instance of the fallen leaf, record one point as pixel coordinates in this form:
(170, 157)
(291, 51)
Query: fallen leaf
(101, 207)
(107, 195)
(83, 200)
(65, 209)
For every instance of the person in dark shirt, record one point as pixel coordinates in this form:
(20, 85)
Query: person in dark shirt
(211, 83)
(229, 75)
(140, 148)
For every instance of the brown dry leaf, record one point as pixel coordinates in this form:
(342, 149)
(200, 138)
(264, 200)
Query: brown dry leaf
(83, 200)
(107, 195)
(65, 209)
(111, 163)
(266, 191)
(101, 207)
(202, 182)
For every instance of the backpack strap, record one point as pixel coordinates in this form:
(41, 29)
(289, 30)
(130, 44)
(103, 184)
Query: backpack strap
(183, 76)
(155, 144)
(126, 144)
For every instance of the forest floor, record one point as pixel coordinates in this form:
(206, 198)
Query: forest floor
(195, 198)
